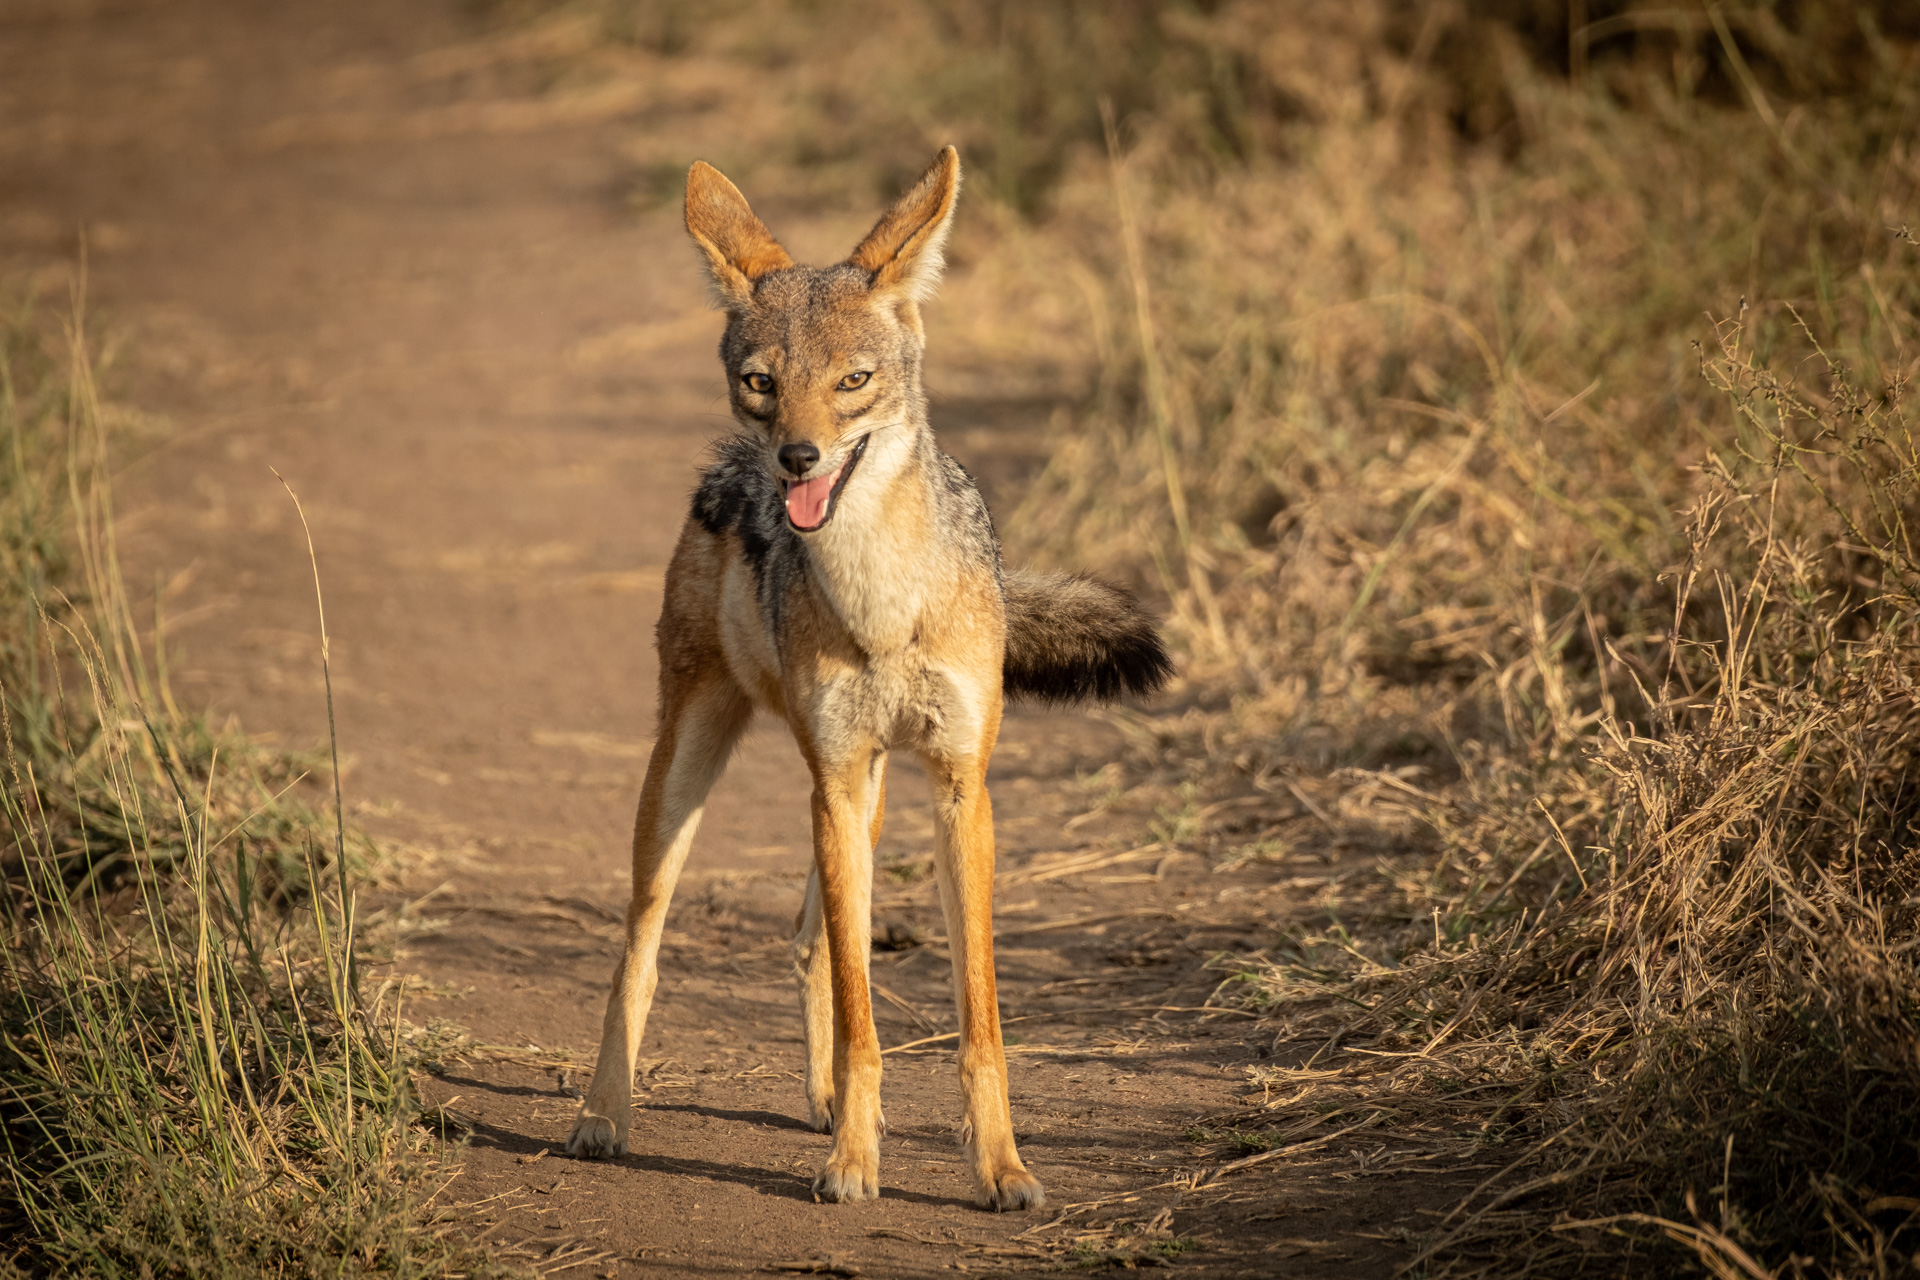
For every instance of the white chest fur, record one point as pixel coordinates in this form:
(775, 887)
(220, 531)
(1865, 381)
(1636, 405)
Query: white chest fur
(898, 701)
(877, 562)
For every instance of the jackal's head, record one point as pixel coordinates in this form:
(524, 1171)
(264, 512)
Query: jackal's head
(824, 362)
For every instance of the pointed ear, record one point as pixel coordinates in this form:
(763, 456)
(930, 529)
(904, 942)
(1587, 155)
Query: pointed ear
(903, 249)
(738, 246)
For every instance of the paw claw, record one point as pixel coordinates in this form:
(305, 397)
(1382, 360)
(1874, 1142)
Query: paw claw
(822, 1114)
(1012, 1191)
(847, 1182)
(597, 1138)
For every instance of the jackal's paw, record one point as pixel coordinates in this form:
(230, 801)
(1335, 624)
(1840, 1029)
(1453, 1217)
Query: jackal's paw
(597, 1137)
(848, 1179)
(1010, 1191)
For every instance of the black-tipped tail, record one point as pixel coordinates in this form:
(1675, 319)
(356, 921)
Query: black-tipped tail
(1073, 637)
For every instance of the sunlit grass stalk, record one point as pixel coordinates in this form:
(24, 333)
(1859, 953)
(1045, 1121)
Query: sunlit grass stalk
(190, 1080)
(1159, 409)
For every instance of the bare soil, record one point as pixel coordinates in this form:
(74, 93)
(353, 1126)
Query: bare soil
(361, 244)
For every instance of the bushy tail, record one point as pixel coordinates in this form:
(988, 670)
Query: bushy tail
(1072, 637)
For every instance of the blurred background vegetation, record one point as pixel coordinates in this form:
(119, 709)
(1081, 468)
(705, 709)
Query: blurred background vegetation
(1508, 401)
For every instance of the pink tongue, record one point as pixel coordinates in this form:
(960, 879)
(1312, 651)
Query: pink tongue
(807, 500)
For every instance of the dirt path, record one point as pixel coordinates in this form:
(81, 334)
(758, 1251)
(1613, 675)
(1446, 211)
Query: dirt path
(352, 244)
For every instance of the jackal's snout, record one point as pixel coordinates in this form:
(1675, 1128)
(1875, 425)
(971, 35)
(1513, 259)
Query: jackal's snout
(810, 502)
(799, 458)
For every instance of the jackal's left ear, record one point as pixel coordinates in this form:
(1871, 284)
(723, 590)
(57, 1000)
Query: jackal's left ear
(738, 246)
(903, 249)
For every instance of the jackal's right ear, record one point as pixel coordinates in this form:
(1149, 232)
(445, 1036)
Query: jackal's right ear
(903, 249)
(738, 246)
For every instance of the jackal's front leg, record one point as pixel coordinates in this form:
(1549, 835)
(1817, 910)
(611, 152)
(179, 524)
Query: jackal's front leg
(699, 724)
(813, 964)
(964, 861)
(843, 860)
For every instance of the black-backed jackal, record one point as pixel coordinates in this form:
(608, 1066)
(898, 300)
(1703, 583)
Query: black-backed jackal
(841, 572)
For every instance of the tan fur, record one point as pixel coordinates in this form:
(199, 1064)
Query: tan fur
(893, 637)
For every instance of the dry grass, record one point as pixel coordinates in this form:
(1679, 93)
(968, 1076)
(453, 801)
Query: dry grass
(1672, 971)
(192, 1082)
(1512, 416)
(1477, 496)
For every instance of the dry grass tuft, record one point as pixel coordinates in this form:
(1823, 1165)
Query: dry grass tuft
(192, 1082)
(1674, 974)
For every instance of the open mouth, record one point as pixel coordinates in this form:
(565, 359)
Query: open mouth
(810, 503)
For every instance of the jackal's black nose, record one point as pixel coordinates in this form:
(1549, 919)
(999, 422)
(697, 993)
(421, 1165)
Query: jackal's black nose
(797, 458)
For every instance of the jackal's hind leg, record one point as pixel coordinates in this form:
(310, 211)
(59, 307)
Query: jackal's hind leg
(699, 723)
(811, 964)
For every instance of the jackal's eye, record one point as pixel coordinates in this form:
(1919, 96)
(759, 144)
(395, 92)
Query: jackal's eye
(855, 381)
(758, 383)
